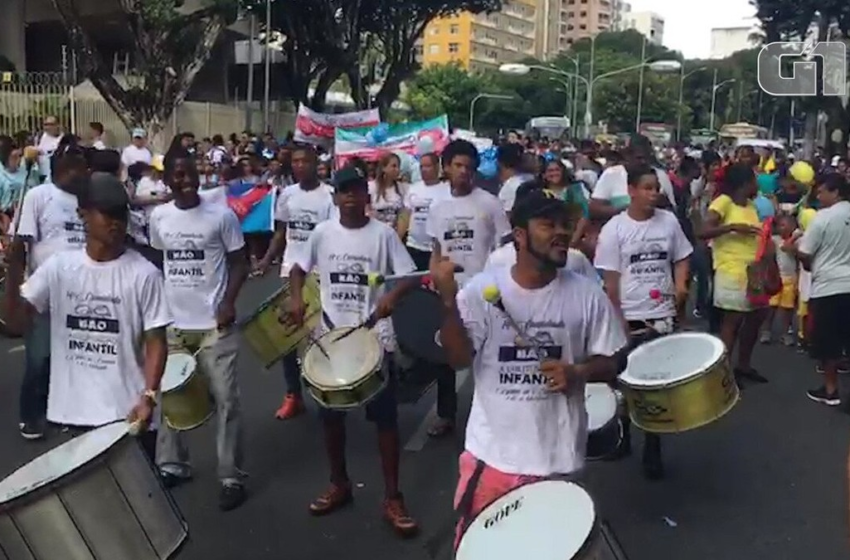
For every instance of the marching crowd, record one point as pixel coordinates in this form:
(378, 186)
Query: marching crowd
(116, 258)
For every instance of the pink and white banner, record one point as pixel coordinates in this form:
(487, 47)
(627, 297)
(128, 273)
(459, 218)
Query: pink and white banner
(319, 128)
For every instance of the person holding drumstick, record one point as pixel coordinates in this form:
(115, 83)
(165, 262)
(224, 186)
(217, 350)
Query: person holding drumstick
(107, 318)
(528, 420)
(644, 252)
(345, 251)
(205, 266)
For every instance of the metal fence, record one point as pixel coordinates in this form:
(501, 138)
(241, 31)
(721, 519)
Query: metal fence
(26, 99)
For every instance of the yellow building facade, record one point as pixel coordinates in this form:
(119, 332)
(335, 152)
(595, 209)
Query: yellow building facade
(483, 41)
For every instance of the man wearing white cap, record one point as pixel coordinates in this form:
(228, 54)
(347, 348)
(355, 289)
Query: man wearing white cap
(138, 150)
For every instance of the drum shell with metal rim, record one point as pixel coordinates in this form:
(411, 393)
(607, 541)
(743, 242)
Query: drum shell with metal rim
(417, 320)
(186, 399)
(96, 496)
(270, 339)
(352, 376)
(604, 428)
(548, 520)
(678, 383)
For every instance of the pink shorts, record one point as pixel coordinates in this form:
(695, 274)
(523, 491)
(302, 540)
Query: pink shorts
(492, 485)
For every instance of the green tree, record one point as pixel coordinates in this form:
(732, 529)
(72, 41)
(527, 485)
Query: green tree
(169, 48)
(440, 89)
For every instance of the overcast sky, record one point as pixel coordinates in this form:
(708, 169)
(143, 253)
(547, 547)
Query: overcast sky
(688, 23)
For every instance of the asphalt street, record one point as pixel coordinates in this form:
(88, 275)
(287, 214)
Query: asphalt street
(767, 482)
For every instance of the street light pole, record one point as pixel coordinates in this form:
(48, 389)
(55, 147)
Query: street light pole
(249, 101)
(566, 90)
(640, 86)
(714, 89)
(588, 110)
(483, 96)
(268, 72)
(682, 99)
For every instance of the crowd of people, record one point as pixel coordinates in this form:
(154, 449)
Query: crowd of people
(116, 258)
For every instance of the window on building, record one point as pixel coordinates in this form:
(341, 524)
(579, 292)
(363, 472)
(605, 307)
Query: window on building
(418, 49)
(582, 26)
(433, 49)
(570, 27)
(434, 30)
(454, 29)
(582, 14)
(584, 1)
(454, 47)
(572, 14)
(570, 41)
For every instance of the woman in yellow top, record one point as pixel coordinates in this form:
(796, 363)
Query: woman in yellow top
(734, 226)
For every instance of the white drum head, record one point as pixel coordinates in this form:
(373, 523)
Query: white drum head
(351, 359)
(63, 460)
(178, 369)
(549, 520)
(672, 359)
(601, 404)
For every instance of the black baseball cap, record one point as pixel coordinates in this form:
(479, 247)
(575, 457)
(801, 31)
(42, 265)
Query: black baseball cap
(349, 177)
(538, 203)
(104, 193)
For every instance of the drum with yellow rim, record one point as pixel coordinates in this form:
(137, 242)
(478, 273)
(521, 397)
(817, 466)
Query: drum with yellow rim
(268, 337)
(678, 383)
(186, 399)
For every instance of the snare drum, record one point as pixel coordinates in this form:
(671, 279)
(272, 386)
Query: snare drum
(549, 520)
(96, 496)
(605, 431)
(270, 339)
(678, 383)
(417, 320)
(186, 399)
(352, 376)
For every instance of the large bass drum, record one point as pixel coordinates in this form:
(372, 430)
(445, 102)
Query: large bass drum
(96, 497)
(679, 382)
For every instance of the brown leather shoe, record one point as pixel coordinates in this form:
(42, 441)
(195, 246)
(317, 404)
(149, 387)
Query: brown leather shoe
(336, 497)
(396, 515)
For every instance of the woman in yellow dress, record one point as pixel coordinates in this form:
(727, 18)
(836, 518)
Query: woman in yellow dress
(734, 226)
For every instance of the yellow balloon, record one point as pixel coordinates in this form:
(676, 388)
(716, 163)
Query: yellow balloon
(491, 294)
(805, 217)
(803, 172)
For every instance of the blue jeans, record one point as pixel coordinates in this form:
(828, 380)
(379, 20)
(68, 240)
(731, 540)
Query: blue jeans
(292, 374)
(36, 381)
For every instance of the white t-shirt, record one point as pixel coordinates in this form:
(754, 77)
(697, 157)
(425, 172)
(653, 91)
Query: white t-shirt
(217, 155)
(49, 216)
(195, 244)
(418, 202)
(507, 193)
(47, 145)
(613, 186)
(516, 425)
(132, 154)
(827, 240)
(99, 145)
(643, 253)
(215, 195)
(99, 312)
(576, 261)
(387, 208)
(302, 210)
(588, 177)
(345, 258)
(468, 228)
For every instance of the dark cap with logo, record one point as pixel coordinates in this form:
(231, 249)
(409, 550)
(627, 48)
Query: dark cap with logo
(538, 203)
(350, 177)
(104, 193)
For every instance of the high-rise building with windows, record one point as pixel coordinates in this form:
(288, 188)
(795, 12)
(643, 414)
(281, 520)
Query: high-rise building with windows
(648, 24)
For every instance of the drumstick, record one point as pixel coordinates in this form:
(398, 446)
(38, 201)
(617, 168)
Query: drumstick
(492, 296)
(379, 279)
(367, 324)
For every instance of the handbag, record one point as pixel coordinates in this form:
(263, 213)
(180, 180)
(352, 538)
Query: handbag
(763, 279)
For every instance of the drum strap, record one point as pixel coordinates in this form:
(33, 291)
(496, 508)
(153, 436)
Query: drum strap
(464, 506)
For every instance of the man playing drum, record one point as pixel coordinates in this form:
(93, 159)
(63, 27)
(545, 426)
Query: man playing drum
(108, 316)
(644, 252)
(528, 419)
(205, 266)
(347, 251)
(465, 226)
(299, 209)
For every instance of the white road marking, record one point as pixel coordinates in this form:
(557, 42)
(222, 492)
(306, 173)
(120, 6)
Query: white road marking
(420, 436)
(16, 349)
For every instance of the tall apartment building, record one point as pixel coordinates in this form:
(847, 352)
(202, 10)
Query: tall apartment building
(648, 24)
(484, 40)
(587, 18)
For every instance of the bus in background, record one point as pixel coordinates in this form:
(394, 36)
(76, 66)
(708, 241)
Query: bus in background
(703, 137)
(659, 134)
(553, 128)
(743, 131)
